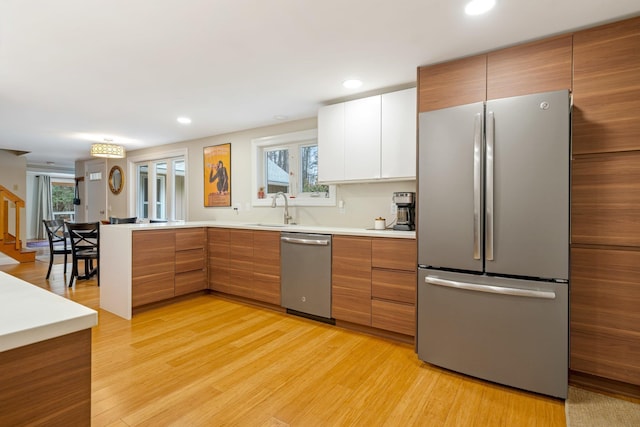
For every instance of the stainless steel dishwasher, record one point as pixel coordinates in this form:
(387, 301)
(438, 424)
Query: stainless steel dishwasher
(305, 274)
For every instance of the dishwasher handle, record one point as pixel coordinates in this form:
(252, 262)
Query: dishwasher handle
(301, 241)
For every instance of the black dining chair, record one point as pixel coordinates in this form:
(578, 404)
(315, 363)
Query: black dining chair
(114, 220)
(58, 242)
(85, 246)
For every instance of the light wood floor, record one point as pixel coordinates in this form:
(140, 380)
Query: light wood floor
(207, 361)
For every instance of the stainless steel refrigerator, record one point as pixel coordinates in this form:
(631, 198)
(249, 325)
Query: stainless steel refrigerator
(493, 240)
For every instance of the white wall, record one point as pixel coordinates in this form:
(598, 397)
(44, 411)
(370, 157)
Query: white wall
(363, 202)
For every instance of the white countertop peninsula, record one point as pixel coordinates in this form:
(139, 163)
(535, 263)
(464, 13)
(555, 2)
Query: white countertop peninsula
(29, 314)
(45, 356)
(116, 252)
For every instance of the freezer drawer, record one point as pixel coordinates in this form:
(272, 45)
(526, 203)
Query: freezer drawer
(508, 331)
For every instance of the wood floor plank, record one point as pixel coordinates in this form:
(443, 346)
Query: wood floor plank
(205, 360)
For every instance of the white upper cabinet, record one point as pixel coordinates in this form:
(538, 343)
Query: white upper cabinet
(362, 139)
(398, 153)
(331, 150)
(368, 139)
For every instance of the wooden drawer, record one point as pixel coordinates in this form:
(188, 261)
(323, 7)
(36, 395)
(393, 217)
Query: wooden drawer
(152, 288)
(153, 252)
(190, 238)
(191, 281)
(394, 285)
(397, 254)
(393, 316)
(189, 260)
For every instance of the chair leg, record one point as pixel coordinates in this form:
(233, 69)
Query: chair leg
(65, 263)
(50, 264)
(74, 272)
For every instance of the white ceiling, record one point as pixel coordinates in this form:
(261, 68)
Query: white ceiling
(77, 71)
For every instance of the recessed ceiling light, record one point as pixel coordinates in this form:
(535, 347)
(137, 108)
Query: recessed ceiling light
(280, 117)
(184, 120)
(352, 83)
(478, 7)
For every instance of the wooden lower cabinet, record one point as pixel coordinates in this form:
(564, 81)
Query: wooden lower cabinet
(245, 263)
(47, 383)
(218, 259)
(351, 279)
(393, 316)
(167, 263)
(374, 282)
(153, 266)
(393, 285)
(190, 264)
(266, 266)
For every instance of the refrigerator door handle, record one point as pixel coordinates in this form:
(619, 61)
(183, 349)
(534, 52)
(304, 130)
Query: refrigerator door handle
(489, 189)
(477, 170)
(527, 293)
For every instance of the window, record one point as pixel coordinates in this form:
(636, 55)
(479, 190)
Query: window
(289, 163)
(62, 195)
(160, 188)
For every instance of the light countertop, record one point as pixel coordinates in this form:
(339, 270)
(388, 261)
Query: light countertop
(349, 231)
(29, 314)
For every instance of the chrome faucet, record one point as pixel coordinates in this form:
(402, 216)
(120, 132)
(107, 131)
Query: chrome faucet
(287, 217)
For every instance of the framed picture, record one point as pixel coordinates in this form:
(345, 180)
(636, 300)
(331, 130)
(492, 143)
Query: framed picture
(217, 175)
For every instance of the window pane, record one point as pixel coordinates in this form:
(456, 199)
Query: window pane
(309, 170)
(143, 194)
(161, 191)
(178, 199)
(277, 168)
(62, 194)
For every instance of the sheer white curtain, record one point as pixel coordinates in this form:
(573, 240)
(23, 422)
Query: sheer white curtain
(44, 204)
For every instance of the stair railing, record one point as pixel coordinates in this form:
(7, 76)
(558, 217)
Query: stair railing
(7, 197)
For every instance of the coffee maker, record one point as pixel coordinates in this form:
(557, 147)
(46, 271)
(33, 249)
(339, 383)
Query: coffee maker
(406, 210)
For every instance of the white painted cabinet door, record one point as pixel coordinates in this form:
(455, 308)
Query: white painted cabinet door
(331, 134)
(362, 139)
(399, 134)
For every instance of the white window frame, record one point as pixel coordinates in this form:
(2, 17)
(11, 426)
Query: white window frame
(152, 159)
(292, 141)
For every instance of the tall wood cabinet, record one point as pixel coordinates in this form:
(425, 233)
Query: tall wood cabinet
(605, 255)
